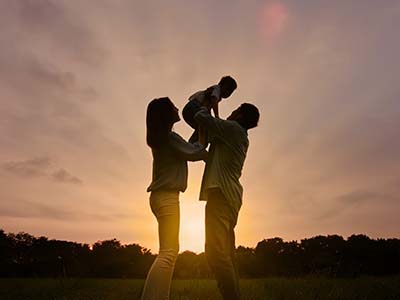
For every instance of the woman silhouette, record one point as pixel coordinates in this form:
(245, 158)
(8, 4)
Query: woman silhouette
(170, 155)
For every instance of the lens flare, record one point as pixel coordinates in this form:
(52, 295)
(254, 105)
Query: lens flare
(273, 19)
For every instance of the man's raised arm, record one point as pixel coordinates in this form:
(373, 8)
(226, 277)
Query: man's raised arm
(214, 126)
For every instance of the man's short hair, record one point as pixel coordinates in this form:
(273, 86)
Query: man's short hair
(228, 81)
(250, 115)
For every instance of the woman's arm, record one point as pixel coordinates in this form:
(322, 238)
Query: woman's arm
(185, 150)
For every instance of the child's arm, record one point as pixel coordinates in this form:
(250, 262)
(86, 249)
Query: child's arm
(214, 106)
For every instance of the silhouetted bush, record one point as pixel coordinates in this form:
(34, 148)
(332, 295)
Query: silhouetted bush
(23, 255)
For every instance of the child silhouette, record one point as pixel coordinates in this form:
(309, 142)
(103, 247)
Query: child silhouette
(209, 99)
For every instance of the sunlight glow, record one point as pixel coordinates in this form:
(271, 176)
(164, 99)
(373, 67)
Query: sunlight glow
(192, 224)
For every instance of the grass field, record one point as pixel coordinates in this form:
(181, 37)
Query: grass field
(252, 289)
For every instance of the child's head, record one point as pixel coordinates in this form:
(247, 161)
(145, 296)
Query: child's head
(227, 85)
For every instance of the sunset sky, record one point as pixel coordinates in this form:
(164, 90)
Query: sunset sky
(76, 77)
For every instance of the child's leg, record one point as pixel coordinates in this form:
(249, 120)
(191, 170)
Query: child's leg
(188, 112)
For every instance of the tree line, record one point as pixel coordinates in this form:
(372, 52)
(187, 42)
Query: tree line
(24, 255)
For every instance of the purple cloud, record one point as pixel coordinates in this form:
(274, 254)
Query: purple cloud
(64, 176)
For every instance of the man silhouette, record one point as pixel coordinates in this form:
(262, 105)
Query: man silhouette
(222, 190)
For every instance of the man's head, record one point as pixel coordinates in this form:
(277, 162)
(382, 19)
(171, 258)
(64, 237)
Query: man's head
(227, 85)
(246, 115)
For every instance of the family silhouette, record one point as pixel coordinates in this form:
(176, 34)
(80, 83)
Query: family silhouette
(223, 145)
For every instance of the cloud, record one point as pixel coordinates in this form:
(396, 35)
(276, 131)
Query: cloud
(357, 196)
(20, 208)
(45, 24)
(50, 76)
(64, 176)
(39, 167)
(35, 167)
(358, 200)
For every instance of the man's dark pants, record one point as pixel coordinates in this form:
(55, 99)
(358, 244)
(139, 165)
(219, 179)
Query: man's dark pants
(220, 222)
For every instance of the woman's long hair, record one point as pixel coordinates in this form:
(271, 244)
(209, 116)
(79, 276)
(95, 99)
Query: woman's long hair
(159, 121)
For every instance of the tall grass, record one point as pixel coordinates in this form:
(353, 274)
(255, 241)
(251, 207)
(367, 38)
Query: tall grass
(252, 289)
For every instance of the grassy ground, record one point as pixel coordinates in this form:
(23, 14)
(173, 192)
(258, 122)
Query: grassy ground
(256, 289)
